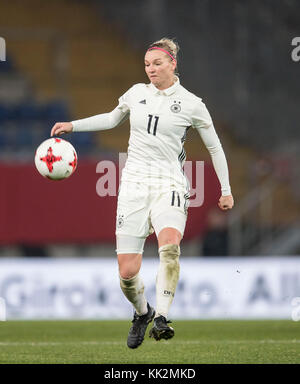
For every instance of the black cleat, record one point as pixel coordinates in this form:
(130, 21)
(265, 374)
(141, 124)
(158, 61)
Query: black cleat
(161, 330)
(138, 329)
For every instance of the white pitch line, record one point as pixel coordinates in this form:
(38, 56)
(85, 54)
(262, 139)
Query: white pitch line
(58, 343)
(268, 341)
(173, 342)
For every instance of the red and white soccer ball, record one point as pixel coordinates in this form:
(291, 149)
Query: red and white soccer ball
(56, 159)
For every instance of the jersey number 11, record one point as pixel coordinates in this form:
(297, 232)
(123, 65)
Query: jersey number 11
(150, 118)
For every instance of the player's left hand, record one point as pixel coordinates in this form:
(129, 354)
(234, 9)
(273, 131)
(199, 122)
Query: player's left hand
(226, 202)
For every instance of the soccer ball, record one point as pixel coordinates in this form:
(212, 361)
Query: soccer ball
(56, 159)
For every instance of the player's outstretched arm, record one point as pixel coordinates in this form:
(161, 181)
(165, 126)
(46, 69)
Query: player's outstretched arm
(60, 128)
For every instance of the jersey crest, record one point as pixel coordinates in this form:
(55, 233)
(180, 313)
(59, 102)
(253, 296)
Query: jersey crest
(120, 221)
(176, 108)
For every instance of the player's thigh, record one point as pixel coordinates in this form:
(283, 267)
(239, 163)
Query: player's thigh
(129, 264)
(169, 235)
(132, 212)
(168, 216)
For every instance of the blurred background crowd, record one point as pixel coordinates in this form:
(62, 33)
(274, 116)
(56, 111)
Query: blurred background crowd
(69, 59)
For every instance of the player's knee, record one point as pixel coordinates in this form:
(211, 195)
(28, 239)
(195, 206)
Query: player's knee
(129, 265)
(126, 273)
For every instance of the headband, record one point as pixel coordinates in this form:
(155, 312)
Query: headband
(163, 50)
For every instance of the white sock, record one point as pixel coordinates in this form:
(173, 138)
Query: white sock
(167, 278)
(133, 289)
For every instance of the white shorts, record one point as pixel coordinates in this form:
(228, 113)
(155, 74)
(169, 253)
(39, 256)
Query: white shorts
(143, 209)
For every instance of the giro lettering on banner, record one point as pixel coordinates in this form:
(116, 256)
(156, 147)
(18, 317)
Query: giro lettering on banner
(2, 309)
(208, 288)
(295, 308)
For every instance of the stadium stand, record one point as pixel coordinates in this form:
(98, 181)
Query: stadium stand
(79, 61)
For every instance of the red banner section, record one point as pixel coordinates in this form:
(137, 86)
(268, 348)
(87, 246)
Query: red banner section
(35, 210)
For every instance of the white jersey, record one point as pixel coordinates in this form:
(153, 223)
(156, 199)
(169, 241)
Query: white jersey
(159, 121)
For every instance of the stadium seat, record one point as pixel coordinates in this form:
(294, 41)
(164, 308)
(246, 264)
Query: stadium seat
(83, 141)
(3, 140)
(24, 137)
(26, 111)
(4, 113)
(55, 111)
(7, 65)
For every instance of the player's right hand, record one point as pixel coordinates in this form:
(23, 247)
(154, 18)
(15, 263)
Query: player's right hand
(226, 202)
(60, 128)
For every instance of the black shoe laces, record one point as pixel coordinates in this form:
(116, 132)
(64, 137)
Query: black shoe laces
(162, 319)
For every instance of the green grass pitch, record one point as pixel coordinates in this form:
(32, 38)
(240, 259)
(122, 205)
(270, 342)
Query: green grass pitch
(195, 342)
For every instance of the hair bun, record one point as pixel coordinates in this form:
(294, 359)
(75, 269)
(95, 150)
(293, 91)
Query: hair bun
(169, 45)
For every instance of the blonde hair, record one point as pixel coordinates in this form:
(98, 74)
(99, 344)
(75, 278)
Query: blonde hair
(170, 45)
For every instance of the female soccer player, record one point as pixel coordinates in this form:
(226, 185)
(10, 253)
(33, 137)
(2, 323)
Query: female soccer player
(154, 192)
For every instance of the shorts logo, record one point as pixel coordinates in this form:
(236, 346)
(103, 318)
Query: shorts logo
(176, 108)
(120, 221)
